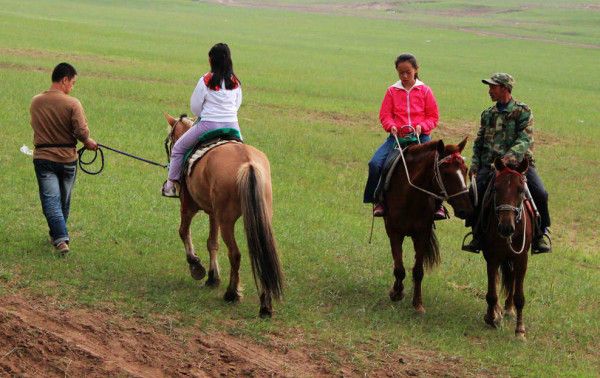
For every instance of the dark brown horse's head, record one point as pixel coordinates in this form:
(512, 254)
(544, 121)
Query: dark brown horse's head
(178, 126)
(509, 189)
(453, 173)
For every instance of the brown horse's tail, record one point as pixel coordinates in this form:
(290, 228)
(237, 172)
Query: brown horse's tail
(431, 257)
(259, 232)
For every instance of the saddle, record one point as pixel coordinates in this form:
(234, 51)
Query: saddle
(390, 166)
(207, 142)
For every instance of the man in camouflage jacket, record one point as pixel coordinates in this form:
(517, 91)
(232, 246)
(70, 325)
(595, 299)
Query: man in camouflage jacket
(506, 132)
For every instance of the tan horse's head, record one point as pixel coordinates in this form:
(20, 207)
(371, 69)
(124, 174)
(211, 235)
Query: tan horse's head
(178, 126)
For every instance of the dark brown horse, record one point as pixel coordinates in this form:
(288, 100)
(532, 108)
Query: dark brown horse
(435, 172)
(506, 237)
(230, 181)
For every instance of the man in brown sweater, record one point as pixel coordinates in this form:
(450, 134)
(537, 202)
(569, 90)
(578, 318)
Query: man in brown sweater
(58, 121)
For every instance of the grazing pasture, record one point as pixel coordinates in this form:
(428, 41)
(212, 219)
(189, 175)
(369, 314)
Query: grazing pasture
(314, 74)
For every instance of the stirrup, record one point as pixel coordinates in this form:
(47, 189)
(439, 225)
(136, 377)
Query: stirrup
(468, 247)
(535, 251)
(172, 192)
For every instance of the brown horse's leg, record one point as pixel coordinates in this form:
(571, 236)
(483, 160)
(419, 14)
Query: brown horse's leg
(520, 269)
(493, 316)
(212, 244)
(419, 243)
(227, 229)
(397, 290)
(188, 210)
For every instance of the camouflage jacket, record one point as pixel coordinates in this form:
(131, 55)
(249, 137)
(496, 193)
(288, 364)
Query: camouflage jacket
(507, 132)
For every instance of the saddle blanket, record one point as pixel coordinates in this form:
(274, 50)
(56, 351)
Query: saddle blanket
(196, 156)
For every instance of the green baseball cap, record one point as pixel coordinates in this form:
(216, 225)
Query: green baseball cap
(500, 78)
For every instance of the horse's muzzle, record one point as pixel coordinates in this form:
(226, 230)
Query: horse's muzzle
(506, 229)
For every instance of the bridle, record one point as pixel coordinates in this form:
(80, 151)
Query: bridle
(443, 195)
(517, 210)
(169, 139)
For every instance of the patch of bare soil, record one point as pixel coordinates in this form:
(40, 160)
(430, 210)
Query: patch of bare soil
(41, 338)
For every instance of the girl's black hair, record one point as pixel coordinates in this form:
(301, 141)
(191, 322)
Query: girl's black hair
(408, 58)
(221, 67)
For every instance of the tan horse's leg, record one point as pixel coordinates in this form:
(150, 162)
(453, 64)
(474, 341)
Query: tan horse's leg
(420, 244)
(233, 293)
(188, 210)
(397, 290)
(493, 317)
(520, 269)
(212, 244)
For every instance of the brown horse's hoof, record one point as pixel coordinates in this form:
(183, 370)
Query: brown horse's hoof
(197, 271)
(510, 312)
(231, 296)
(396, 296)
(494, 322)
(265, 313)
(420, 310)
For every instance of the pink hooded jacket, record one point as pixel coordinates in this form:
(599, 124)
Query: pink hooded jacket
(416, 106)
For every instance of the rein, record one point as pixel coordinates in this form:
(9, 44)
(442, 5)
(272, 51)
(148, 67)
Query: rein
(83, 163)
(437, 174)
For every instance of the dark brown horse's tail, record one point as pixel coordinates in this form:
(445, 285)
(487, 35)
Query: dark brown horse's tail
(431, 257)
(508, 276)
(259, 232)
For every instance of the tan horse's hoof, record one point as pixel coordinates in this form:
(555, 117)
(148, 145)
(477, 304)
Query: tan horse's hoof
(520, 336)
(420, 310)
(197, 271)
(231, 296)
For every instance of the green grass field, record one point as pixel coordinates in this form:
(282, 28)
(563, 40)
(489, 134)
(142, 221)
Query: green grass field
(313, 83)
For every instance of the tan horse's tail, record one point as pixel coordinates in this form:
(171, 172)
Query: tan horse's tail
(259, 232)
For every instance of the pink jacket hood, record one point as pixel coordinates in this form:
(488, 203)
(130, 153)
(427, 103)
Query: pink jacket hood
(402, 108)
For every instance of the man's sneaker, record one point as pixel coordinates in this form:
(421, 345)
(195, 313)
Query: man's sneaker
(378, 210)
(543, 244)
(441, 214)
(169, 189)
(62, 247)
(473, 246)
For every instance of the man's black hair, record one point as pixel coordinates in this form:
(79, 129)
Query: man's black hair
(63, 70)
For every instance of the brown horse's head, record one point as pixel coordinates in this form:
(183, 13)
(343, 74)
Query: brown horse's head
(509, 192)
(453, 172)
(177, 126)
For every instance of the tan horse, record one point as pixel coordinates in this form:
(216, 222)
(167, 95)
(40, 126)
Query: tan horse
(230, 181)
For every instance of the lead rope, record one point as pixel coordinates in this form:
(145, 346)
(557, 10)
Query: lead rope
(509, 239)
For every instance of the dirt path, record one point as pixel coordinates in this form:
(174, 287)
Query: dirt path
(42, 338)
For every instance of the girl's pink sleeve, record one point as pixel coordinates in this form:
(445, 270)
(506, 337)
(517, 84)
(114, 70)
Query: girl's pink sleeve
(432, 115)
(386, 112)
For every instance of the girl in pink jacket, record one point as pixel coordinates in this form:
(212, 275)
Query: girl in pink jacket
(408, 106)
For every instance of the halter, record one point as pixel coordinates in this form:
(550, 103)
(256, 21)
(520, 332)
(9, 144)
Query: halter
(517, 210)
(443, 196)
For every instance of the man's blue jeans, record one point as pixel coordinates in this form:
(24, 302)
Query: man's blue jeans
(377, 162)
(55, 182)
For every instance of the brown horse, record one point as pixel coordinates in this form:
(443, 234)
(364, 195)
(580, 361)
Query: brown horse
(435, 172)
(230, 181)
(506, 237)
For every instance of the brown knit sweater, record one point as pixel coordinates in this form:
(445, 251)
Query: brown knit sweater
(57, 118)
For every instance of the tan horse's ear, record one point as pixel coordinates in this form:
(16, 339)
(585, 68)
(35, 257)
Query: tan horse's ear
(172, 121)
(462, 144)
